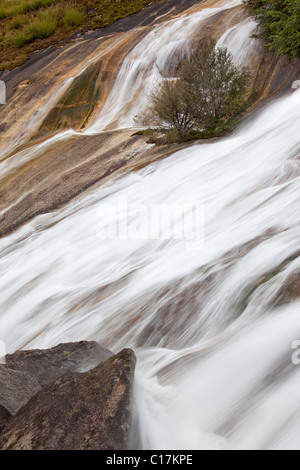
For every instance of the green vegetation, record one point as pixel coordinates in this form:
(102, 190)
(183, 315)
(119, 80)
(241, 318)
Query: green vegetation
(203, 98)
(10, 8)
(73, 17)
(42, 27)
(30, 25)
(17, 22)
(279, 24)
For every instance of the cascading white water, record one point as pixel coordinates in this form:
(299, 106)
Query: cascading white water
(158, 51)
(210, 326)
(239, 42)
(138, 77)
(213, 342)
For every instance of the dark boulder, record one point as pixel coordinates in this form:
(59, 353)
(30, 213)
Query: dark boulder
(50, 364)
(87, 411)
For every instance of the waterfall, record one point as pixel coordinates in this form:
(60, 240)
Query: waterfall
(212, 326)
(239, 42)
(212, 337)
(160, 49)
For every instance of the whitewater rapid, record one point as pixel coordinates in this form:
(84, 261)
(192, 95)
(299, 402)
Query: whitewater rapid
(212, 326)
(212, 338)
(159, 51)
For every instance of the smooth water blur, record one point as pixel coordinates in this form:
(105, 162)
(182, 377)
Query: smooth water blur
(212, 327)
(222, 342)
(239, 42)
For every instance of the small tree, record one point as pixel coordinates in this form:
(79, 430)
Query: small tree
(203, 99)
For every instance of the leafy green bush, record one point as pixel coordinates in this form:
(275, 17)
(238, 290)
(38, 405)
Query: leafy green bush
(202, 100)
(279, 24)
(73, 17)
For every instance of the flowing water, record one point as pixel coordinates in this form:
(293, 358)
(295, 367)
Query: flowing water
(158, 51)
(212, 323)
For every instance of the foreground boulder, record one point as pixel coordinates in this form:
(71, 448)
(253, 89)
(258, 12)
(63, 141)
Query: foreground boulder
(48, 365)
(87, 411)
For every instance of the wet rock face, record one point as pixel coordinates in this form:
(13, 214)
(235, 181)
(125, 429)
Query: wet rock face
(87, 411)
(46, 366)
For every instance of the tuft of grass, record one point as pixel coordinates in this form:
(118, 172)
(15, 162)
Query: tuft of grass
(73, 17)
(43, 29)
(17, 22)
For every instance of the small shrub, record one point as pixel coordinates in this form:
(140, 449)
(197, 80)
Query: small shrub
(203, 100)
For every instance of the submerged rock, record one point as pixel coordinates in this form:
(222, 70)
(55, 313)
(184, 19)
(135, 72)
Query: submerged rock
(48, 365)
(87, 411)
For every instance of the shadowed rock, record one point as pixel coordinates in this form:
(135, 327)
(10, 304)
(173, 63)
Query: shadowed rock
(48, 365)
(16, 389)
(89, 411)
